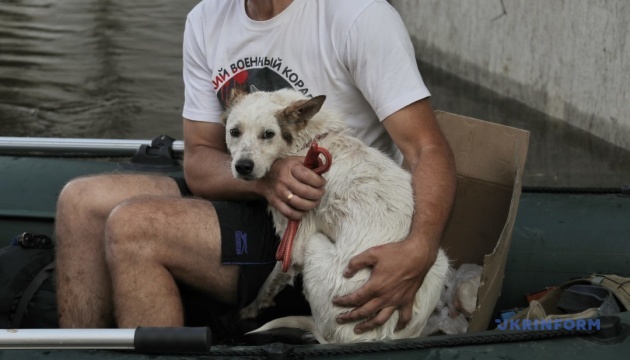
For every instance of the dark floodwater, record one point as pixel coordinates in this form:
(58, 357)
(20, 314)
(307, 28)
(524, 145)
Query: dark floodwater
(91, 68)
(112, 69)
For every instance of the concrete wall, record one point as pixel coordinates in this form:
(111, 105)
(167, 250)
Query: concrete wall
(567, 58)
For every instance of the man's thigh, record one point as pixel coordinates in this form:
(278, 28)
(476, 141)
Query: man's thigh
(180, 234)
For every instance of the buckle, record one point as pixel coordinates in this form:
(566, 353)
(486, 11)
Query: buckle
(34, 241)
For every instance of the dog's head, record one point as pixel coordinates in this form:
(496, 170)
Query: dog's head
(262, 127)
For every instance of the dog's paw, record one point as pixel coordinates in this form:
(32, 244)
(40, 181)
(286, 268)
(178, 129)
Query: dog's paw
(249, 312)
(267, 303)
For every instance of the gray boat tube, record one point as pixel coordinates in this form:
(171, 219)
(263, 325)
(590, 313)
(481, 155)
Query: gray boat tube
(102, 147)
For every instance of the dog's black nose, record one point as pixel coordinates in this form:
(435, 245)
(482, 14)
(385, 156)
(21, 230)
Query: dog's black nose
(244, 166)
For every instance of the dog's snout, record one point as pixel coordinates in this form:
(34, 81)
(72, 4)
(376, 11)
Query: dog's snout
(244, 166)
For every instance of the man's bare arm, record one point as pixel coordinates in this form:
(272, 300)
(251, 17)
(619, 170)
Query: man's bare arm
(207, 164)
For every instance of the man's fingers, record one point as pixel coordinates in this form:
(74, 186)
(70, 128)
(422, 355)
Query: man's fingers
(404, 316)
(287, 210)
(289, 178)
(308, 176)
(350, 300)
(361, 261)
(360, 313)
(305, 191)
(357, 298)
(378, 320)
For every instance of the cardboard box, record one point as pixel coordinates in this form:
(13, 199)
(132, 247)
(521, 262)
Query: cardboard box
(489, 159)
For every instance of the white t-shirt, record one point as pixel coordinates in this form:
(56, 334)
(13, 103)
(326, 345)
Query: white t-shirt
(356, 52)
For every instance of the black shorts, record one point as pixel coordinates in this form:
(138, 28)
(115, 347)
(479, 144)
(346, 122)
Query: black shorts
(248, 239)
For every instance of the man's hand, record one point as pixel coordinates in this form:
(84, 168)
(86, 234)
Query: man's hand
(290, 176)
(398, 270)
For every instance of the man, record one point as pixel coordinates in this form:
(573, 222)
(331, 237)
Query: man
(125, 242)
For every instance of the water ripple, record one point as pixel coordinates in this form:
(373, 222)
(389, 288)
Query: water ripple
(91, 68)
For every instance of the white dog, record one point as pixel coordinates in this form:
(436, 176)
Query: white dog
(368, 202)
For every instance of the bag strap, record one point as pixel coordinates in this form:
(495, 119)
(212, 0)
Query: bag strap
(28, 294)
(620, 286)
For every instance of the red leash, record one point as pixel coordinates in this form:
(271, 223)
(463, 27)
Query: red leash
(312, 161)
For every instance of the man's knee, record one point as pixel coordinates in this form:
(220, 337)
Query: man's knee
(80, 204)
(134, 229)
(89, 196)
(78, 190)
(98, 195)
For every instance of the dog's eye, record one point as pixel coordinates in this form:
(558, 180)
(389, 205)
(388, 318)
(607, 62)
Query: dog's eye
(268, 134)
(235, 132)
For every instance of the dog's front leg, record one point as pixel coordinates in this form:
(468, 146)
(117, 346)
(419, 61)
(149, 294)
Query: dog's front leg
(276, 281)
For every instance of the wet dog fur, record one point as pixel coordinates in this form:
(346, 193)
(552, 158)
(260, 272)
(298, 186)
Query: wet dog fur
(368, 202)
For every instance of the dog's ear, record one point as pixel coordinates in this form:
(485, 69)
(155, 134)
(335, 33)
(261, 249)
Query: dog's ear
(301, 111)
(235, 95)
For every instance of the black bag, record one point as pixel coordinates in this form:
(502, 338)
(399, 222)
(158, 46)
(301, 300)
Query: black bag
(27, 283)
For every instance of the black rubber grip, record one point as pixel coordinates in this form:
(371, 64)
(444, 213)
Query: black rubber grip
(172, 339)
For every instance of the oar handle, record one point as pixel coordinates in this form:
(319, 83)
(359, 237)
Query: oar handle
(172, 340)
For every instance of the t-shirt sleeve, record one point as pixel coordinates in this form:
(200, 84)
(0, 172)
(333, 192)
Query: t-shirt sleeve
(381, 60)
(200, 101)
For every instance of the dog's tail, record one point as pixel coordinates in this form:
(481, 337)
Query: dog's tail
(306, 323)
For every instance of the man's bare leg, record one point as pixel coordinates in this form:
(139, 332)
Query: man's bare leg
(83, 284)
(169, 239)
